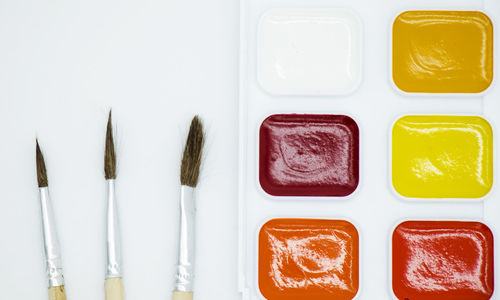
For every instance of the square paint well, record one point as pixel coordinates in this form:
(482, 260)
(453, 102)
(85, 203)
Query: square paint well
(305, 259)
(442, 260)
(309, 155)
(309, 51)
(442, 52)
(442, 156)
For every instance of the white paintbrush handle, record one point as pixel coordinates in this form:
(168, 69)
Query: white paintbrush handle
(178, 295)
(114, 288)
(57, 293)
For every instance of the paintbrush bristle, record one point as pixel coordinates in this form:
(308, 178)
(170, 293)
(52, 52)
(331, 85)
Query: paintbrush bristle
(109, 152)
(191, 158)
(41, 171)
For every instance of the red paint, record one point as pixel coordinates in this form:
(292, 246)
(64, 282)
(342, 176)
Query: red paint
(309, 155)
(304, 259)
(442, 260)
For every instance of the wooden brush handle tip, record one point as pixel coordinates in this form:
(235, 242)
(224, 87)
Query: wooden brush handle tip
(57, 293)
(178, 295)
(114, 288)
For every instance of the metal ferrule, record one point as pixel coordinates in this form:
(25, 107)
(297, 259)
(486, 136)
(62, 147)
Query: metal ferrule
(51, 247)
(185, 267)
(114, 257)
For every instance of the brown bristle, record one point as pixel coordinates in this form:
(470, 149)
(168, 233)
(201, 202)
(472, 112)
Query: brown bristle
(41, 171)
(109, 152)
(191, 158)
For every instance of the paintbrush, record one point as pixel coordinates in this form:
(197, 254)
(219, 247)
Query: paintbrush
(51, 248)
(190, 171)
(113, 284)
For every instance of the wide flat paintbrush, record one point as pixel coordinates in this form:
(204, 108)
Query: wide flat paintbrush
(50, 241)
(113, 283)
(190, 171)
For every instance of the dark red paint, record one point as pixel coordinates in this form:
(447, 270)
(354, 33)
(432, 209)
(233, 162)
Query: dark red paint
(442, 260)
(309, 155)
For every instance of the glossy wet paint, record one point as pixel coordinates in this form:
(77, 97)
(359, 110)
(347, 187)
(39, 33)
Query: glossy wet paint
(442, 52)
(302, 259)
(442, 260)
(309, 155)
(442, 156)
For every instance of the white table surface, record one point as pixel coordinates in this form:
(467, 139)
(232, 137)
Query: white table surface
(63, 64)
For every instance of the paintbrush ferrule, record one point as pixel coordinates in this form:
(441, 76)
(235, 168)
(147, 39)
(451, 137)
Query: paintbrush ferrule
(114, 259)
(51, 247)
(185, 268)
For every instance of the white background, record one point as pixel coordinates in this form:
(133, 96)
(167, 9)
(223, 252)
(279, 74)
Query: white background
(63, 64)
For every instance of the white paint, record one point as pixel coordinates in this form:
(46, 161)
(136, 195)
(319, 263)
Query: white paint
(309, 52)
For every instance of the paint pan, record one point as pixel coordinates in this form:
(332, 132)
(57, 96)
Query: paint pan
(368, 149)
(442, 260)
(308, 258)
(309, 155)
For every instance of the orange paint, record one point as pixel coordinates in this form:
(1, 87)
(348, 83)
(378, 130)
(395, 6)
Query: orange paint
(303, 259)
(443, 51)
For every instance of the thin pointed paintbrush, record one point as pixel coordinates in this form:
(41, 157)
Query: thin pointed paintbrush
(113, 284)
(51, 248)
(190, 171)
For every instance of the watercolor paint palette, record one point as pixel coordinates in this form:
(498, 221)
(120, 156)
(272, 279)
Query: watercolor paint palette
(368, 146)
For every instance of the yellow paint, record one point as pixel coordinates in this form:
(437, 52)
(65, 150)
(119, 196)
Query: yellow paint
(442, 52)
(442, 156)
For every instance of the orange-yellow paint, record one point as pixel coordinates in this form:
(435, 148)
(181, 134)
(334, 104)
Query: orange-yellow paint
(442, 52)
(442, 156)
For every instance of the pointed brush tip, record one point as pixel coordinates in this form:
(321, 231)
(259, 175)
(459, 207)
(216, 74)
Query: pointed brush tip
(41, 170)
(109, 153)
(38, 150)
(191, 158)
